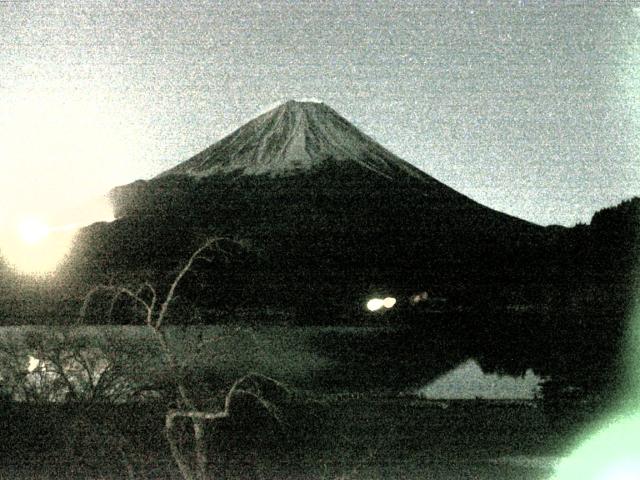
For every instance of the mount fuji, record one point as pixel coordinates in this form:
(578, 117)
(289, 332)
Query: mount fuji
(291, 139)
(327, 219)
(328, 213)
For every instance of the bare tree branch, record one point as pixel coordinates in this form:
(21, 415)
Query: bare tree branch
(116, 293)
(198, 254)
(247, 386)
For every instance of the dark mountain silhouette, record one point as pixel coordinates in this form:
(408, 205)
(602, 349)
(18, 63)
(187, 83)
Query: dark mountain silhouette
(330, 215)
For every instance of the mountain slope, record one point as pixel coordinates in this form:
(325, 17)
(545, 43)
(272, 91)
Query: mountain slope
(293, 138)
(329, 213)
(332, 218)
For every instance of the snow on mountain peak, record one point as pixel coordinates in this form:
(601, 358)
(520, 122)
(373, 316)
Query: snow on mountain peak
(297, 136)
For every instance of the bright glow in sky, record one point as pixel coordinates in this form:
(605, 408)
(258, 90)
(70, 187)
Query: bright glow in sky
(33, 244)
(33, 230)
(60, 154)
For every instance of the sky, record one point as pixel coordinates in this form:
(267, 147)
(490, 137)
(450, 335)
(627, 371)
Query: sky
(531, 108)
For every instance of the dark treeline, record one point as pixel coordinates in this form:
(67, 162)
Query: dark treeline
(327, 237)
(316, 246)
(577, 334)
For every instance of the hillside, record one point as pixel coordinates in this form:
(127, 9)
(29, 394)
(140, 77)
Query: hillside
(329, 215)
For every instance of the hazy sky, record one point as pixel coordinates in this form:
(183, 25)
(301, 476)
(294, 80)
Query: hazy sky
(532, 108)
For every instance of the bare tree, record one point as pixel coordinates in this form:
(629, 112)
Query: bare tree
(192, 466)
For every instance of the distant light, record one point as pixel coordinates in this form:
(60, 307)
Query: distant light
(375, 304)
(35, 247)
(32, 364)
(33, 230)
(419, 297)
(389, 302)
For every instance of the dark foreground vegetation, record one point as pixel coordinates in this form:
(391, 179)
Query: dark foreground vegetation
(557, 301)
(323, 438)
(560, 306)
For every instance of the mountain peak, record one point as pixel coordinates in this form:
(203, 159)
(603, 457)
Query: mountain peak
(302, 107)
(302, 102)
(294, 137)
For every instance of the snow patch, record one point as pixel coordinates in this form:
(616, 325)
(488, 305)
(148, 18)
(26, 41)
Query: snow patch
(296, 136)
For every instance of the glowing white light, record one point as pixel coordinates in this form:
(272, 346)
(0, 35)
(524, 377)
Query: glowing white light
(61, 149)
(389, 302)
(32, 246)
(33, 230)
(626, 470)
(611, 453)
(35, 249)
(375, 304)
(33, 363)
(419, 297)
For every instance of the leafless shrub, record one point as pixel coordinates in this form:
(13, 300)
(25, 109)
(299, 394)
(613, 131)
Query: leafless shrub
(70, 365)
(192, 465)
